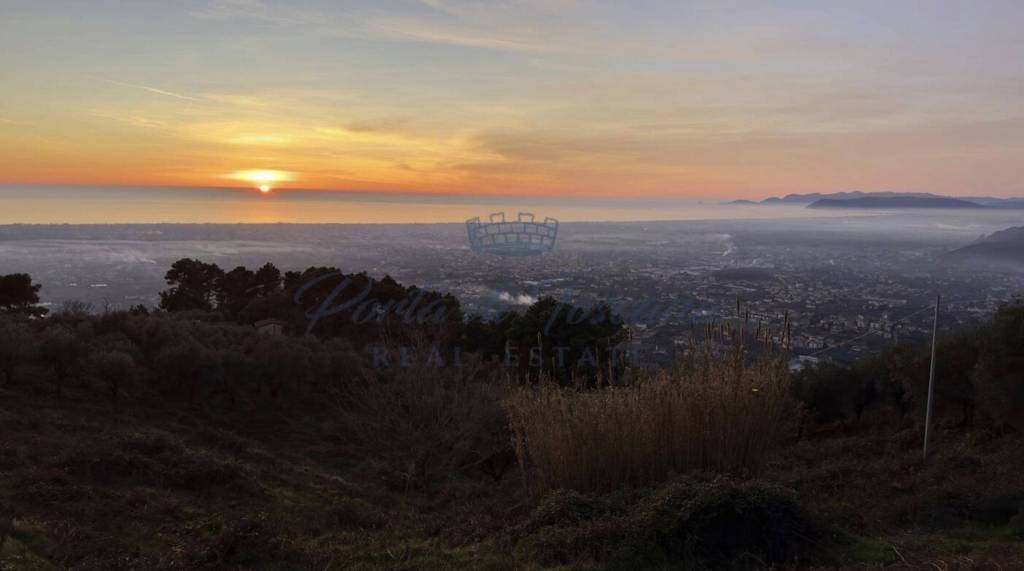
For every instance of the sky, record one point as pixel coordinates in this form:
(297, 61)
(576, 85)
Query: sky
(673, 99)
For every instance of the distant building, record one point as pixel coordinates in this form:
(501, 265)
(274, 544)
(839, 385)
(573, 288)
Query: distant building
(270, 326)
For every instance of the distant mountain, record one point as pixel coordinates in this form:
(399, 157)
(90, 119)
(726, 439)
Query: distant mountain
(742, 202)
(814, 197)
(895, 202)
(1007, 203)
(1003, 246)
(811, 198)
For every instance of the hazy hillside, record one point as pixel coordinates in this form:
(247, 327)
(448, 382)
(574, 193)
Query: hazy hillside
(988, 201)
(815, 196)
(1003, 246)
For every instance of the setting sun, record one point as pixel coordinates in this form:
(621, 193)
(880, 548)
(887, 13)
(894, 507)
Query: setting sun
(262, 179)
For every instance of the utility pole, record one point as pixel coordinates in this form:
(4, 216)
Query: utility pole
(931, 380)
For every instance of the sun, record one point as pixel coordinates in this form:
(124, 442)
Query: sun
(262, 179)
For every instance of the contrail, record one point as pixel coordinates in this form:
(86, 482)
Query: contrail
(154, 90)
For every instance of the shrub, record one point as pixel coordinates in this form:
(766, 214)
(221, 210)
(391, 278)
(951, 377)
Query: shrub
(61, 348)
(956, 357)
(75, 310)
(187, 368)
(999, 374)
(280, 362)
(834, 393)
(422, 422)
(691, 523)
(116, 369)
(706, 415)
(15, 348)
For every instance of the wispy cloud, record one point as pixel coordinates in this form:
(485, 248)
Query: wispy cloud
(371, 24)
(412, 30)
(133, 120)
(257, 10)
(155, 90)
(237, 100)
(6, 121)
(382, 125)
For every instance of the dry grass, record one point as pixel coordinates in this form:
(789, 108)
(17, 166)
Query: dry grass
(709, 414)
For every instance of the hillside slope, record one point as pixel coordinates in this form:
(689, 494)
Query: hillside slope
(184, 489)
(1003, 246)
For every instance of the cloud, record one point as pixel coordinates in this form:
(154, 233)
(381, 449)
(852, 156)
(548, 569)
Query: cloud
(6, 121)
(382, 125)
(370, 24)
(257, 10)
(155, 90)
(244, 133)
(422, 32)
(550, 146)
(133, 120)
(236, 100)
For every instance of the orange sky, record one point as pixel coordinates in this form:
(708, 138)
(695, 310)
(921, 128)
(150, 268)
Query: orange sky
(686, 100)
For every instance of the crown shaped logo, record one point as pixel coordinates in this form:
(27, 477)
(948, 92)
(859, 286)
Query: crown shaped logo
(520, 237)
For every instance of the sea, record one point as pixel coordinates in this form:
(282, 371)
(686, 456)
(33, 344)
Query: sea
(28, 204)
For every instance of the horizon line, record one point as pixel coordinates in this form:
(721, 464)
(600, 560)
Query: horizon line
(412, 195)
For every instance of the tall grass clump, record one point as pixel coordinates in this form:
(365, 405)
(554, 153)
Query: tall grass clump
(708, 414)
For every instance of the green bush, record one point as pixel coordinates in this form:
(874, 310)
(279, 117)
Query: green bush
(691, 523)
(834, 393)
(999, 374)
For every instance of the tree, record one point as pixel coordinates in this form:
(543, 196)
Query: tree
(907, 376)
(19, 294)
(237, 368)
(267, 280)
(235, 289)
(61, 348)
(14, 348)
(116, 369)
(576, 342)
(999, 375)
(193, 286)
(187, 368)
(899, 366)
(279, 362)
(957, 358)
(834, 392)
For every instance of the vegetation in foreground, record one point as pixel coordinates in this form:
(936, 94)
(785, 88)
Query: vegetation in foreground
(710, 414)
(163, 441)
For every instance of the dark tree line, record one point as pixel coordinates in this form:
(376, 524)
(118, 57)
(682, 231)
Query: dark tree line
(202, 348)
(197, 285)
(979, 373)
(556, 339)
(158, 357)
